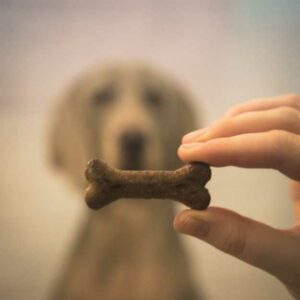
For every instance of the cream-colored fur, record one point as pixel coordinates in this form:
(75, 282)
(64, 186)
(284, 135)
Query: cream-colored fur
(129, 249)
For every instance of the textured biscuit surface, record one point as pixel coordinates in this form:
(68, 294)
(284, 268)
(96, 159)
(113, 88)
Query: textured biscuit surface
(186, 185)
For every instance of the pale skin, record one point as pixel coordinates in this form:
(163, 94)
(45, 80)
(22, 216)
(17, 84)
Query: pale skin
(261, 133)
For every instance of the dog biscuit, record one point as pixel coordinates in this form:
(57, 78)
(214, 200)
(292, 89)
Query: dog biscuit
(186, 185)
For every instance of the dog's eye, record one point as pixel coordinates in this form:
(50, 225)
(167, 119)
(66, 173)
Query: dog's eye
(104, 96)
(152, 97)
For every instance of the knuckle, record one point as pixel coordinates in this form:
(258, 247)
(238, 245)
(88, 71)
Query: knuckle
(222, 127)
(288, 112)
(290, 118)
(235, 242)
(293, 99)
(280, 140)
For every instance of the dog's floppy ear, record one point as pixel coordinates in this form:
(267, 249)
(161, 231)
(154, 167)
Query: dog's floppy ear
(72, 140)
(183, 119)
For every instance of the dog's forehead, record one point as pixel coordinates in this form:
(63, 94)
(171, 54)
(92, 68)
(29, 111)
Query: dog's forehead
(131, 74)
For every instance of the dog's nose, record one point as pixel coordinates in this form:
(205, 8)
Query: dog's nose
(132, 141)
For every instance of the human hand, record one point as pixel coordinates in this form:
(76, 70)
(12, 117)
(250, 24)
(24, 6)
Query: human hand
(262, 133)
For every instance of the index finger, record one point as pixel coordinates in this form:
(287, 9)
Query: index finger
(273, 149)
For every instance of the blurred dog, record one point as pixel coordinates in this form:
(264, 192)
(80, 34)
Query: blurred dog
(132, 117)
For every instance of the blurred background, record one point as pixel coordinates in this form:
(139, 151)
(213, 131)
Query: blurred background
(224, 52)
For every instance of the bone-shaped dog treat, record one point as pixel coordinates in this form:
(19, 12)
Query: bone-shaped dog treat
(185, 185)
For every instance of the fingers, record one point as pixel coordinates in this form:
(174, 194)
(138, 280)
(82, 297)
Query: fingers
(273, 250)
(259, 134)
(263, 133)
(282, 118)
(276, 149)
(290, 100)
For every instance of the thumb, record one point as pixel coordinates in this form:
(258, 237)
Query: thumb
(253, 242)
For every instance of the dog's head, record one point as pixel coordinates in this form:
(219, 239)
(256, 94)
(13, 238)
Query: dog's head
(131, 116)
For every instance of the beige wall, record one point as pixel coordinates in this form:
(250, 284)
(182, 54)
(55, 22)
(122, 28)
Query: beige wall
(224, 52)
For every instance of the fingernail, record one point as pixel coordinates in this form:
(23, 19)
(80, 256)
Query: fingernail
(194, 226)
(189, 137)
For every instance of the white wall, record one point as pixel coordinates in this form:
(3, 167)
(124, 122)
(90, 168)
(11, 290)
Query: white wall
(224, 51)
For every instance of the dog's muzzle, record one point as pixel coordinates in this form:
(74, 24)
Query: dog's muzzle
(132, 148)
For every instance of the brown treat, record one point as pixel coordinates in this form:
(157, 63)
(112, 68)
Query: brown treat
(185, 185)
